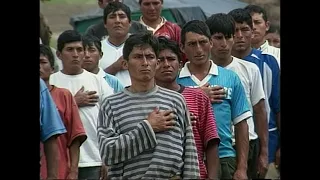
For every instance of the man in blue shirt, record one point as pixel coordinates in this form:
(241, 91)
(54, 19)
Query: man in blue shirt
(200, 71)
(93, 54)
(270, 72)
(51, 126)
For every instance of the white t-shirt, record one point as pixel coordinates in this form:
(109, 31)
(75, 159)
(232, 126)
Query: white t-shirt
(111, 54)
(251, 80)
(89, 150)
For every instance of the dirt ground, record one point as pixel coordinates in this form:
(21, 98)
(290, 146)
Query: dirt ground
(58, 15)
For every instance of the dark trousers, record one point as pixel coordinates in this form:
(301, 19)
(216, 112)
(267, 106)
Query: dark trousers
(88, 173)
(254, 150)
(228, 167)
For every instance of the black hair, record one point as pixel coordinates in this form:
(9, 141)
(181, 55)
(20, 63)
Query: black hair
(165, 43)
(221, 23)
(257, 9)
(140, 39)
(195, 26)
(46, 51)
(242, 16)
(90, 41)
(140, 1)
(112, 7)
(68, 36)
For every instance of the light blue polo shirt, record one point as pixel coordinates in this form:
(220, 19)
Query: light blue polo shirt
(234, 107)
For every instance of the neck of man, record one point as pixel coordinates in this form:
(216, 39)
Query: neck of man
(95, 70)
(200, 70)
(73, 71)
(169, 85)
(48, 84)
(223, 62)
(117, 40)
(152, 24)
(141, 86)
(241, 54)
(258, 44)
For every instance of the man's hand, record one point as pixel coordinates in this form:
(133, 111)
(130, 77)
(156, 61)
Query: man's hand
(216, 93)
(103, 172)
(87, 98)
(116, 66)
(193, 119)
(161, 121)
(72, 175)
(240, 175)
(262, 165)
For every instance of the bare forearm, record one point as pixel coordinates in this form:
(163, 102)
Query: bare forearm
(212, 156)
(113, 68)
(261, 122)
(74, 153)
(52, 157)
(242, 144)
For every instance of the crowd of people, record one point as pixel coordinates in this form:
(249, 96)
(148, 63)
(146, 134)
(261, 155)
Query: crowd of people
(149, 99)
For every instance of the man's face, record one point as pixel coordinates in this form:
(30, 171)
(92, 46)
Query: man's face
(168, 67)
(197, 48)
(273, 39)
(151, 9)
(243, 37)
(91, 58)
(103, 3)
(72, 55)
(260, 27)
(221, 46)
(117, 24)
(142, 63)
(45, 68)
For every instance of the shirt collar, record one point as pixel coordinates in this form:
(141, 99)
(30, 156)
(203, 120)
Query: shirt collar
(185, 72)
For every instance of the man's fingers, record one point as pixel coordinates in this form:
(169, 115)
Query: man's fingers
(170, 123)
(167, 112)
(215, 88)
(91, 92)
(93, 97)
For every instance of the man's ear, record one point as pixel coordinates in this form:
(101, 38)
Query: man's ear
(58, 53)
(182, 48)
(124, 64)
(267, 26)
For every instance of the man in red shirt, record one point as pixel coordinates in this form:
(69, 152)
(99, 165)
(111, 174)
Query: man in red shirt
(152, 19)
(70, 142)
(204, 127)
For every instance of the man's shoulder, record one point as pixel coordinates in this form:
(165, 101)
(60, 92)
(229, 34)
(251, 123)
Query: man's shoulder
(194, 92)
(170, 93)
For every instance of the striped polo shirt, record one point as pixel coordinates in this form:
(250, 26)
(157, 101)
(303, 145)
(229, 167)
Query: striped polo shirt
(205, 129)
(130, 147)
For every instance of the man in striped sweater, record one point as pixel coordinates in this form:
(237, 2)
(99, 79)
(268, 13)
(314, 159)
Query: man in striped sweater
(144, 132)
(204, 129)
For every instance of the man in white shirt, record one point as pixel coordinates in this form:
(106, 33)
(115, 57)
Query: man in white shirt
(89, 91)
(222, 28)
(260, 27)
(93, 54)
(117, 20)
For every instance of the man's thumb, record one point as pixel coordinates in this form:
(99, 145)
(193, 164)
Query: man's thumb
(157, 109)
(81, 89)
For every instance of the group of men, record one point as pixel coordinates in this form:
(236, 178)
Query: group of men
(161, 102)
